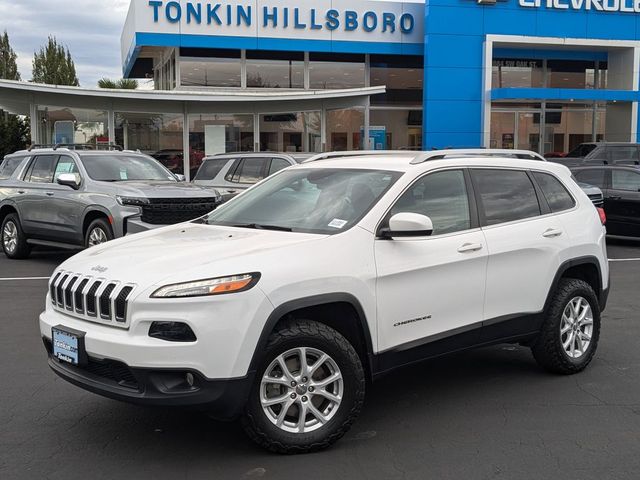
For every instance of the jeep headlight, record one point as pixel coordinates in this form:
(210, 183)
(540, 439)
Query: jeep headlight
(210, 286)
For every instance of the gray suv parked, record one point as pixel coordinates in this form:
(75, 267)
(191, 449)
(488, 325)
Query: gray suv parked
(232, 173)
(66, 197)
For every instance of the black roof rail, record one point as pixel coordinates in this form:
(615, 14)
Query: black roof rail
(76, 146)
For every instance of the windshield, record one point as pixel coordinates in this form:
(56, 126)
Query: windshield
(312, 200)
(581, 150)
(120, 168)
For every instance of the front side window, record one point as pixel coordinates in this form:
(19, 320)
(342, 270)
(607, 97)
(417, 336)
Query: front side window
(625, 180)
(311, 200)
(442, 197)
(623, 154)
(41, 170)
(506, 195)
(593, 176)
(556, 194)
(248, 170)
(65, 165)
(211, 168)
(122, 168)
(277, 164)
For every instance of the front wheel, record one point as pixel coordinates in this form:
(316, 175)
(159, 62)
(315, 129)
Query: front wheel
(308, 392)
(571, 329)
(99, 232)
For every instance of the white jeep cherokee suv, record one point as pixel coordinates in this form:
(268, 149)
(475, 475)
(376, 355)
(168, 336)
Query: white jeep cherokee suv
(282, 304)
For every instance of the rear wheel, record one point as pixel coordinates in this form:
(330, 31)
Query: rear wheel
(308, 392)
(99, 232)
(14, 241)
(571, 329)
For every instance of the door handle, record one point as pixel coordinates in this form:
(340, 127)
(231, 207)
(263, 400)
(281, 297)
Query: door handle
(470, 247)
(552, 232)
(49, 194)
(22, 191)
(614, 197)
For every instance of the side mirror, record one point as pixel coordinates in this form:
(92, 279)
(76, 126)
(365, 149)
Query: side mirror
(69, 179)
(408, 224)
(180, 177)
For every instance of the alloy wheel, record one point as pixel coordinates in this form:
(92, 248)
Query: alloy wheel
(576, 328)
(97, 236)
(301, 390)
(10, 237)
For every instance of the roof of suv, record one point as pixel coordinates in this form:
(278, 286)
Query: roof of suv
(298, 157)
(437, 158)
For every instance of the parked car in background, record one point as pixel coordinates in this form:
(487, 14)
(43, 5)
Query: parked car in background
(80, 198)
(621, 187)
(601, 153)
(231, 173)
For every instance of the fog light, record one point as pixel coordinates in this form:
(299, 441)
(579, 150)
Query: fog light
(190, 379)
(172, 332)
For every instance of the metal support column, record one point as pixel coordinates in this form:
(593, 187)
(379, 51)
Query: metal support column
(365, 134)
(185, 143)
(111, 125)
(33, 122)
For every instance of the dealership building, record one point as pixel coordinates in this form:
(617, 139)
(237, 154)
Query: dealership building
(283, 75)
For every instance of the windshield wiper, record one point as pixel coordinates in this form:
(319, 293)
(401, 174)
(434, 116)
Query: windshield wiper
(259, 226)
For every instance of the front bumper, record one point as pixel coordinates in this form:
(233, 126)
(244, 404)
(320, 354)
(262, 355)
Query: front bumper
(224, 399)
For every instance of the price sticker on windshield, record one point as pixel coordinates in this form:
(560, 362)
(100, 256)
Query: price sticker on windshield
(337, 223)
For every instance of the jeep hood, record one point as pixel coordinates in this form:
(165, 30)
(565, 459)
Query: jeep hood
(185, 252)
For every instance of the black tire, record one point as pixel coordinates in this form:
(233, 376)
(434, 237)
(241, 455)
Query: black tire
(313, 335)
(21, 249)
(548, 348)
(98, 224)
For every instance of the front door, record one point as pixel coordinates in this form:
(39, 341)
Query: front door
(432, 287)
(622, 203)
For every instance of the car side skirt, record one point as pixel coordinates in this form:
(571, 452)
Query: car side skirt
(523, 327)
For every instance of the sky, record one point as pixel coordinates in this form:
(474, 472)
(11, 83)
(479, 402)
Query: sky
(90, 28)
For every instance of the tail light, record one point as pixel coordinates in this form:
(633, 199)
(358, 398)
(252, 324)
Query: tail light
(603, 216)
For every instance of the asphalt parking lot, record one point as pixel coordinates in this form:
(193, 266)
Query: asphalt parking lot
(489, 413)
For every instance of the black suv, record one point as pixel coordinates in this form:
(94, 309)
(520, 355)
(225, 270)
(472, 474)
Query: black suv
(601, 153)
(621, 188)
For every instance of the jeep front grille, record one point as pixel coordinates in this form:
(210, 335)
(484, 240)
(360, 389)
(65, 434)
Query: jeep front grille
(94, 299)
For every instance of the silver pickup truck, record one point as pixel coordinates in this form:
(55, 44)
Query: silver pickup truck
(68, 197)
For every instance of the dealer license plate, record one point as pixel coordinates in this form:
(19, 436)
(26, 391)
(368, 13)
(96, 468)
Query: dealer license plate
(68, 346)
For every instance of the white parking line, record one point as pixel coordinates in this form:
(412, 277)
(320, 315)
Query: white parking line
(624, 259)
(12, 279)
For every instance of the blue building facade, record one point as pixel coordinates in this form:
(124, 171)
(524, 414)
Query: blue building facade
(538, 59)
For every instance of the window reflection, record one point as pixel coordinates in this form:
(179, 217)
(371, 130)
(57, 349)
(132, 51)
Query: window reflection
(275, 69)
(331, 71)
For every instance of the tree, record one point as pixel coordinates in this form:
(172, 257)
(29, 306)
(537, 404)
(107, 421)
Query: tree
(123, 83)
(14, 130)
(14, 134)
(53, 65)
(8, 64)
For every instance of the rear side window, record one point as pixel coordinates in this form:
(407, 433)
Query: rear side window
(625, 180)
(41, 170)
(505, 195)
(556, 194)
(9, 166)
(594, 176)
(211, 168)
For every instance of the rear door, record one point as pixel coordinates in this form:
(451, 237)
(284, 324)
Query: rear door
(622, 202)
(526, 244)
